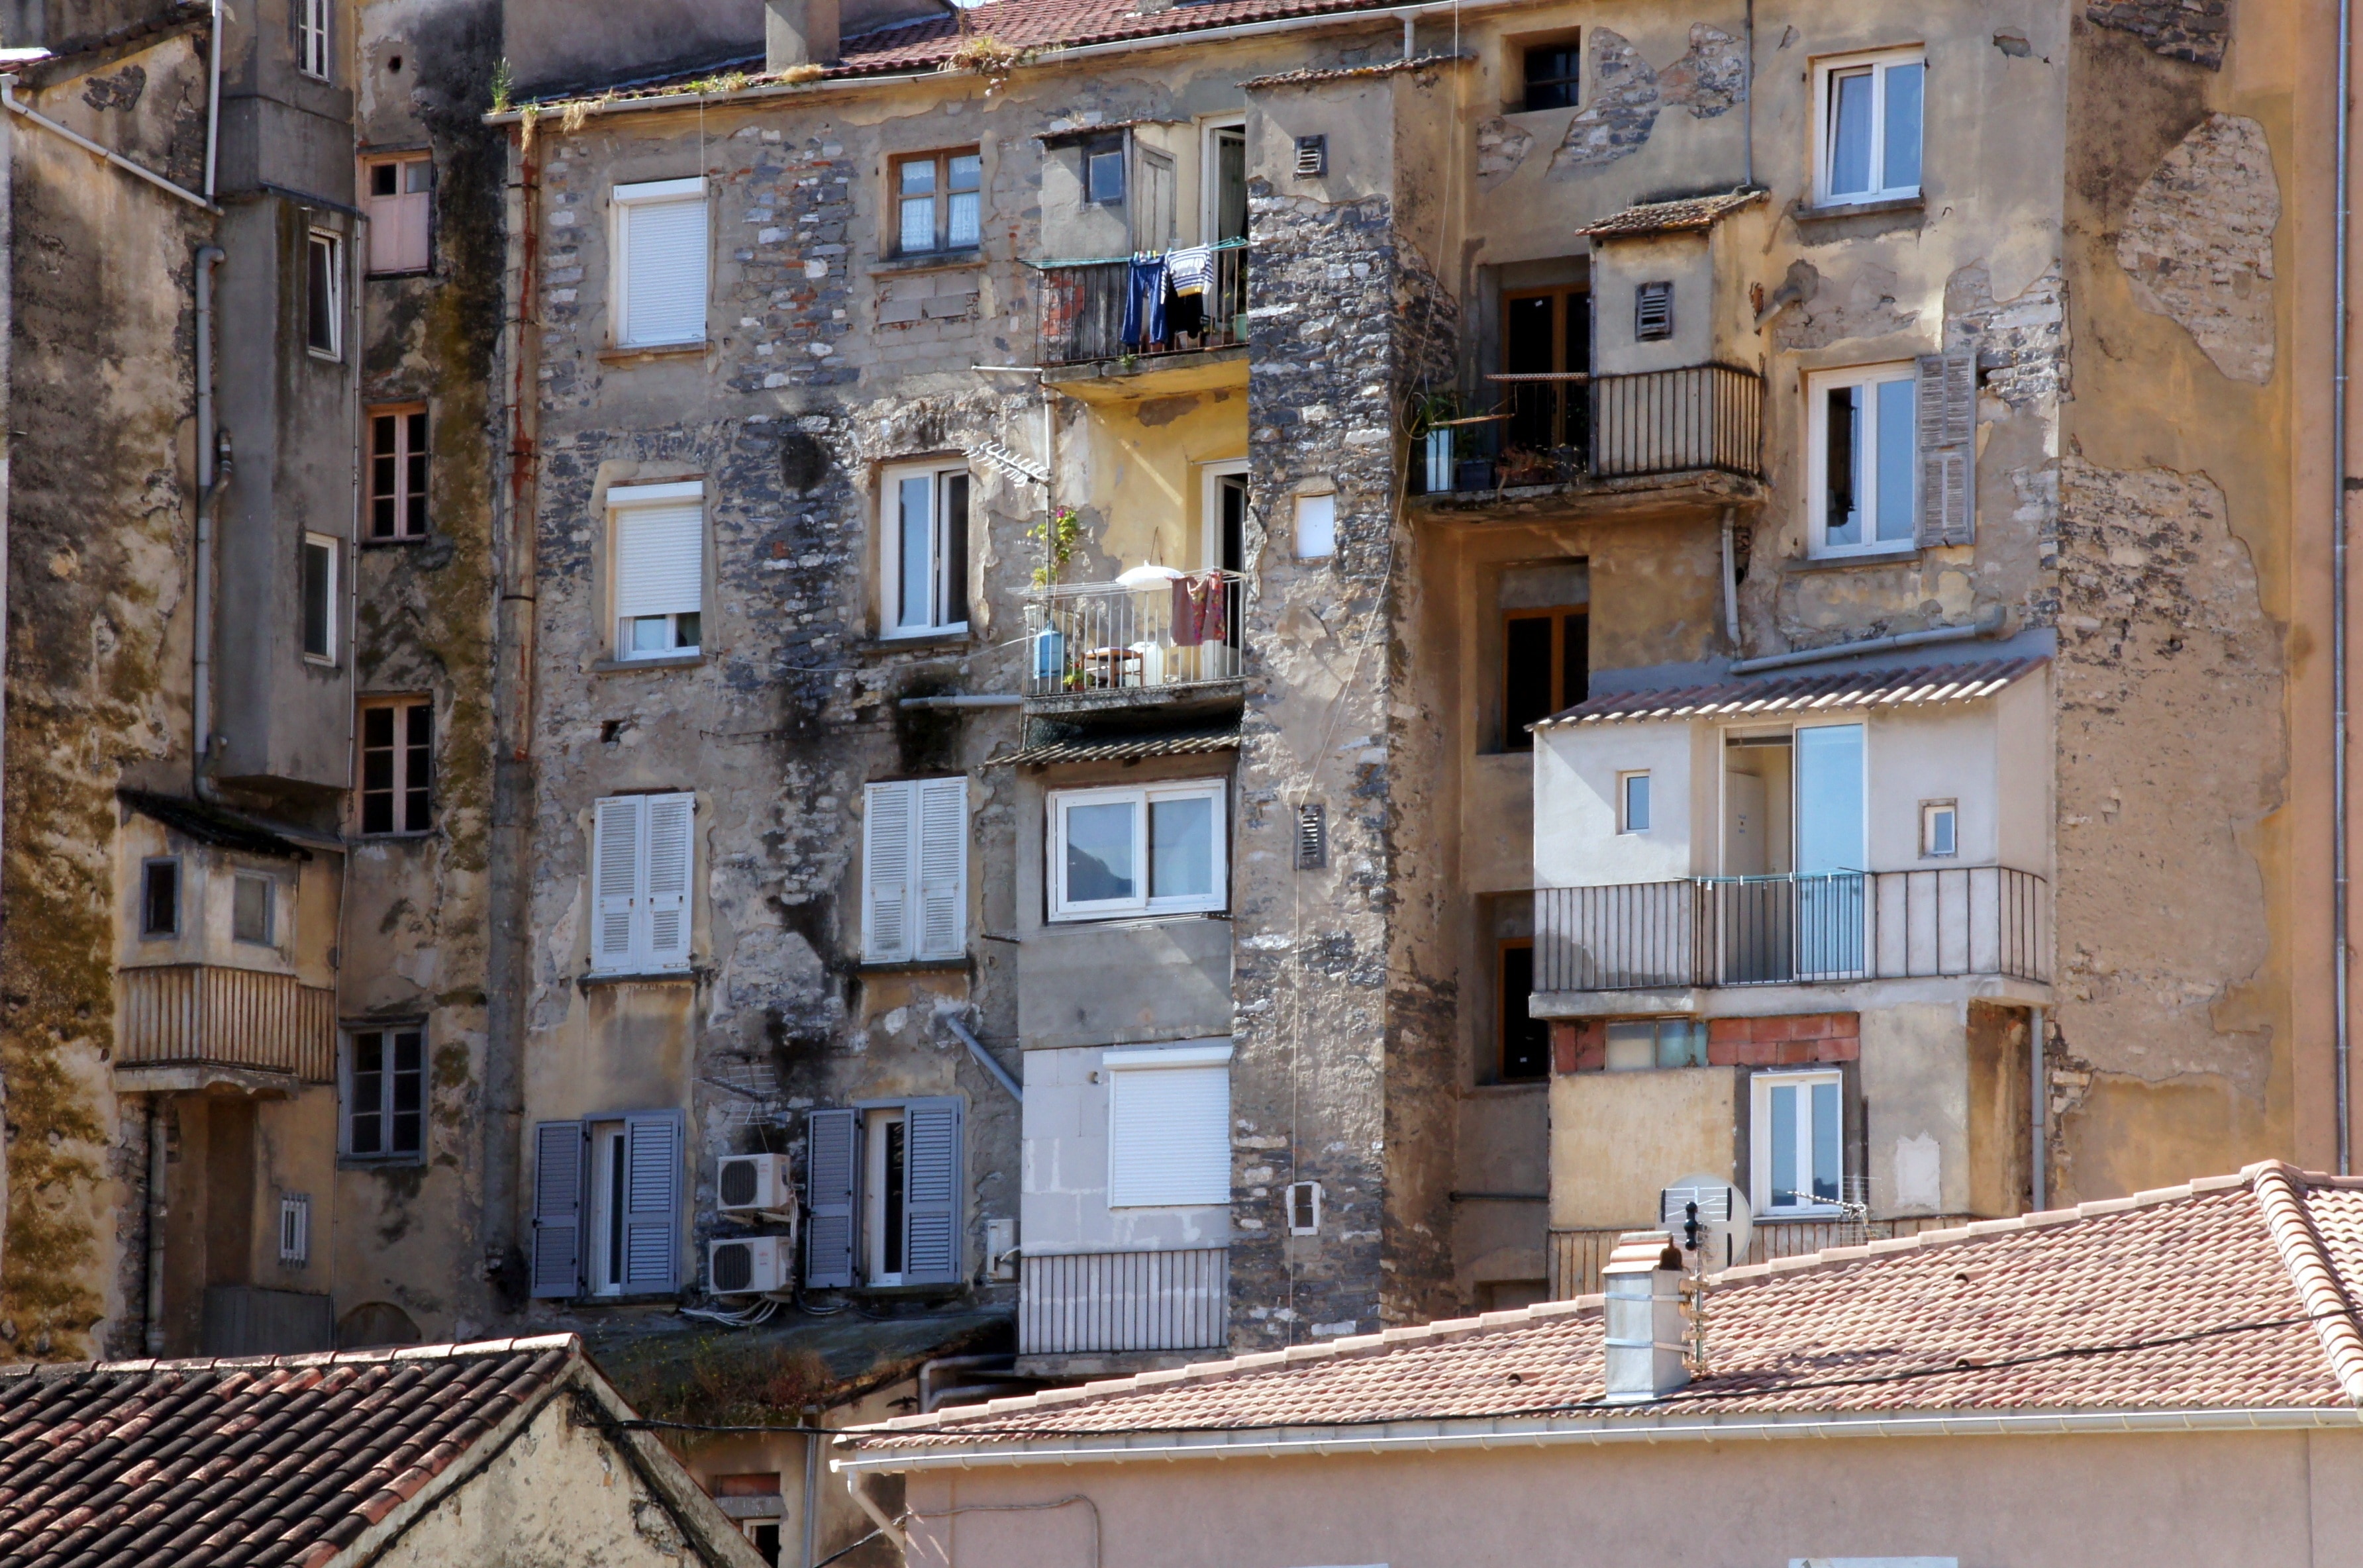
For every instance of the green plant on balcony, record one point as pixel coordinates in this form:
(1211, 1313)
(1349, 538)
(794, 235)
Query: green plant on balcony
(1057, 533)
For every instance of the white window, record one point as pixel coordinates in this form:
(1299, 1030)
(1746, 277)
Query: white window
(252, 917)
(312, 38)
(324, 294)
(1798, 1136)
(1154, 850)
(1868, 118)
(319, 597)
(1169, 1125)
(294, 1228)
(1304, 1204)
(399, 201)
(661, 263)
(1316, 526)
(643, 855)
(658, 532)
(915, 870)
(1632, 803)
(385, 1094)
(1941, 829)
(1861, 475)
(923, 554)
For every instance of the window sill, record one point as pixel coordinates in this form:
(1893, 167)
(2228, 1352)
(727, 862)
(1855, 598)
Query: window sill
(398, 539)
(689, 976)
(402, 271)
(942, 640)
(653, 351)
(1830, 212)
(958, 966)
(1838, 563)
(417, 835)
(662, 661)
(380, 1162)
(931, 260)
(1128, 917)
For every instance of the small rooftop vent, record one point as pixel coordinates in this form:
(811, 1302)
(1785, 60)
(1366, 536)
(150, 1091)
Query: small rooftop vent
(1643, 1282)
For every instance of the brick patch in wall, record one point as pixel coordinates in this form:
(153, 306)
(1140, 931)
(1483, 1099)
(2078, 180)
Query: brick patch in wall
(1790, 1040)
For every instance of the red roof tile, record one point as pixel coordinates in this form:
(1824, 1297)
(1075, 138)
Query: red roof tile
(1804, 693)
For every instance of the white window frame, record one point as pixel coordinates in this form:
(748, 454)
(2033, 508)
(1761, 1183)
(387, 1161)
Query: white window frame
(1879, 61)
(1625, 783)
(1127, 1191)
(608, 1155)
(326, 239)
(1930, 811)
(385, 1153)
(1759, 1140)
(623, 499)
(1144, 902)
(915, 905)
(312, 39)
(646, 900)
(623, 198)
(332, 547)
(294, 1228)
(1209, 158)
(1819, 385)
(946, 619)
(1210, 506)
(875, 1151)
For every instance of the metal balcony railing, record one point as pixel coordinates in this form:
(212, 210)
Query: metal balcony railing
(1793, 930)
(1152, 632)
(205, 1014)
(1082, 310)
(1555, 429)
(1123, 1301)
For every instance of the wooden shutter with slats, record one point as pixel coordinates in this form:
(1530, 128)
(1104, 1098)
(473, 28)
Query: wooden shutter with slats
(1945, 398)
(557, 1151)
(616, 842)
(941, 890)
(671, 858)
(934, 1172)
(652, 1142)
(889, 830)
(832, 1196)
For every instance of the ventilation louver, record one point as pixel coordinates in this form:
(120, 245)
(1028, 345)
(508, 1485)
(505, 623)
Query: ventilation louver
(1311, 838)
(1653, 311)
(1311, 157)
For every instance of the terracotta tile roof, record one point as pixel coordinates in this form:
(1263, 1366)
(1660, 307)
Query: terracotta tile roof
(249, 1462)
(1124, 748)
(1355, 73)
(2227, 1294)
(1665, 218)
(1919, 685)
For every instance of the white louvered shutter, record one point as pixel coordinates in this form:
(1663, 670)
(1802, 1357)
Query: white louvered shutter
(934, 1169)
(942, 890)
(671, 862)
(664, 271)
(1947, 413)
(889, 838)
(1169, 1136)
(558, 1150)
(653, 1143)
(616, 859)
(832, 1177)
(659, 560)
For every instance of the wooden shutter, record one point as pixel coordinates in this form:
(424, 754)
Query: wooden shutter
(1946, 404)
(660, 558)
(557, 1148)
(671, 861)
(942, 884)
(616, 918)
(889, 835)
(653, 1143)
(1169, 1136)
(832, 1196)
(935, 1171)
(664, 271)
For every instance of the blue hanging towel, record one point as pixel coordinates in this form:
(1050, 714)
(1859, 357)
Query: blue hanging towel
(1144, 303)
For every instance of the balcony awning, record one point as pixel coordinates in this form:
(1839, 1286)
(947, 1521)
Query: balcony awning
(1669, 217)
(1124, 748)
(1920, 686)
(209, 823)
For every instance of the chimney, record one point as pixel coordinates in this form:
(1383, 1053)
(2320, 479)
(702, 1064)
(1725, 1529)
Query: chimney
(799, 32)
(1643, 1280)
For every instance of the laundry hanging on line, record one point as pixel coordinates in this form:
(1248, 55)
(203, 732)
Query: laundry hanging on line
(1200, 613)
(1146, 288)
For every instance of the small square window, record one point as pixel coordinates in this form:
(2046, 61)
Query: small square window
(294, 1228)
(251, 913)
(1632, 803)
(1941, 829)
(1554, 72)
(1311, 157)
(1643, 1045)
(1316, 526)
(1103, 172)
(1304, 1208)
(160, 897)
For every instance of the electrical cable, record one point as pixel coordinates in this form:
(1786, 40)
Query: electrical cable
(1069, 1500)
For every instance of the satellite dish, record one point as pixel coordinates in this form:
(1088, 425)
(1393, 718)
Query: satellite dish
(1723, 1218)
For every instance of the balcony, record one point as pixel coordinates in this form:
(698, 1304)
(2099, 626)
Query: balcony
(1153, 638)
(1083, 318)
(1700, 427)
(1085, 1303)
(182, 1022)
(1829, 929)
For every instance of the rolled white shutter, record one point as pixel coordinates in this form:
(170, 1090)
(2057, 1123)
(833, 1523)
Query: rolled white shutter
(672, 853)
(616, 913)
(942, 890)
(664, 271)
(1169, 1136)
(659, 560)
(889, 831)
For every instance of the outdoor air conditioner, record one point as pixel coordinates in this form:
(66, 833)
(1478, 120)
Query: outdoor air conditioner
(754, 1183)
(751, 1265)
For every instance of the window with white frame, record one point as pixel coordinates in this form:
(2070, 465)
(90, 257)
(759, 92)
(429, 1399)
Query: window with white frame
(1798, 1139)
(397, 472)
(294, 1228)
(1941, 829)
(318, 589)
(642, 857)
(924, 556)
(1867, 117)
(398, 198)
(397, 783)
(1156, 850)
(324, 294)
(1862, 472)
(312, 38)
(1632, 803)
(660, 263)
(659, 565)
(915, 870)
(1169, 1125)
(385, 1094)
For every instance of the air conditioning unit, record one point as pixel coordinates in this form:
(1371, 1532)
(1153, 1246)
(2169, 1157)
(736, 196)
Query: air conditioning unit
(754, 1183)
(751, 1265)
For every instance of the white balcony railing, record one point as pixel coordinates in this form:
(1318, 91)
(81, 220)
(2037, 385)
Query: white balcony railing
(1082, 1302)
(1149, 630)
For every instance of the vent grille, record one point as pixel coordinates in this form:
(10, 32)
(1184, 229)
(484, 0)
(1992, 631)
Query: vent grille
(1311, 157)
(1311, 838)
(1653, 311)
(734, 1268)
(738, 1183)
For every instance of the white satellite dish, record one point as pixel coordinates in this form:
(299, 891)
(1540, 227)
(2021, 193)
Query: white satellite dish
(1724, 1217)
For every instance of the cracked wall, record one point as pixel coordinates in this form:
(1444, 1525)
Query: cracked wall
(2198, 243)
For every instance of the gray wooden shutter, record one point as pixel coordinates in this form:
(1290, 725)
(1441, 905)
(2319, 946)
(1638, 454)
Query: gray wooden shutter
(832, 1198)
(557, 1148)
(1946, 405)
(934, 1172)
(652, 1140)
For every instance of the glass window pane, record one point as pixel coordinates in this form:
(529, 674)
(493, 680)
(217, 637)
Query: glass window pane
(1682, 1043)
(1636, 803)
(964, 228)
(1841, 516)
(418, 176)
(1903, 91)
(1830, 798)
(1850, 149)
(919, 223)
(1099, 851)
(919, 177)
(1826, 1128)
(1181, 848)
(1898, 453)
(1783, 1099)
(914, 600)
(1104, 176)
(1632, 1047)
(967, 172)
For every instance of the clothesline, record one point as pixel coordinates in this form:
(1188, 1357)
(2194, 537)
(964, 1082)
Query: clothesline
(1136, 256)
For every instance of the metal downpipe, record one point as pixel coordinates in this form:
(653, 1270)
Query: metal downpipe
(2341, 958)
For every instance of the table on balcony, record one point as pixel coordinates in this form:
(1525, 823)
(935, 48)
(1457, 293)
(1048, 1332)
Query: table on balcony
(1138, 637)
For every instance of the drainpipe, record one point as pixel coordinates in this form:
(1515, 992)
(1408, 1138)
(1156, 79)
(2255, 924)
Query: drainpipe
(9, 100)
(213, 478)
(990, 700)
(812, 1501)
(1748, 101)
(886, 1526)
(213, 96)
(2338, 590)
(2038, 1114)
(156, 1215)
(1993, 624)
(1731, 579)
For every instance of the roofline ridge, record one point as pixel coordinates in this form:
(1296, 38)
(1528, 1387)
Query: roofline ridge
(2290, 1221)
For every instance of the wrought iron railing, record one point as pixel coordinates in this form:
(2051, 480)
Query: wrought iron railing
(1793, 930)
(175, 1014)
(1123, 1301)
(1555, 428)
(1083, 314)
(1155, 632)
